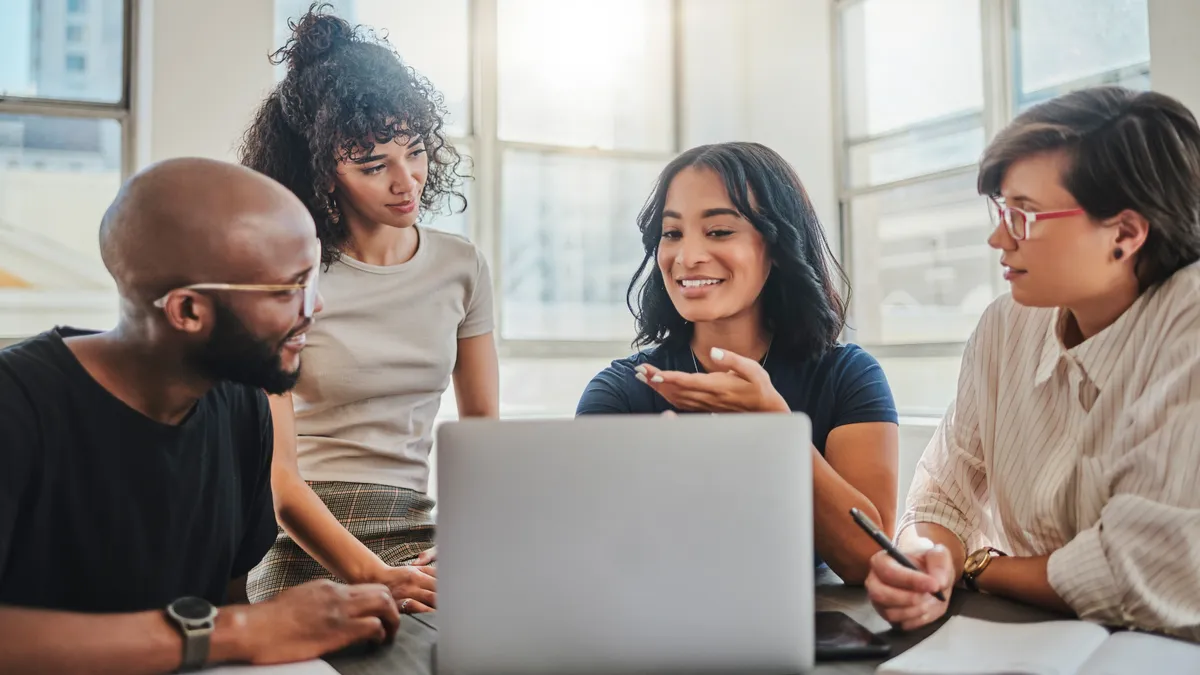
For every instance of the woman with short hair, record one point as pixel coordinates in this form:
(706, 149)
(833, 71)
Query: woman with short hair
(1065, 473)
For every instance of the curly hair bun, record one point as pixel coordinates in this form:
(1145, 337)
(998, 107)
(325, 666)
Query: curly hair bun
(314, 37)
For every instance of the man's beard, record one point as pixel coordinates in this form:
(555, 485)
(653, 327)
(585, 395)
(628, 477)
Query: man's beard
(233, 354)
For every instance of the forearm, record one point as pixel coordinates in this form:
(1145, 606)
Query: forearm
(1023, 579)
(38, 641)
(1133, 568)
(845, 548)
(309, 523)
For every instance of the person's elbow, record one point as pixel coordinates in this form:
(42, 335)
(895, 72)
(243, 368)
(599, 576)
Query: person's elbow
(488, 409)
(287, 494)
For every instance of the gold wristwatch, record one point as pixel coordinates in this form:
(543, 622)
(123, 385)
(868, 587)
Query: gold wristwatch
(976, 563)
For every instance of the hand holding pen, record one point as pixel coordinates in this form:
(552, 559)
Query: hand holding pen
(904, 593)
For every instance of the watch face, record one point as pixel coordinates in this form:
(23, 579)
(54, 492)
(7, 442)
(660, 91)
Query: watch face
(192, 609)
(975, 561)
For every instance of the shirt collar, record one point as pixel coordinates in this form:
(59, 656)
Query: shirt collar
(1052, 348)
(1098, 355)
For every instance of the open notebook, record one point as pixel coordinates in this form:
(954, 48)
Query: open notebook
(966, 646)
(303, 668)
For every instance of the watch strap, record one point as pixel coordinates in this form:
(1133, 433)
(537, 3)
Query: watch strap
(197, 634)
(969, 582)
(196, 643)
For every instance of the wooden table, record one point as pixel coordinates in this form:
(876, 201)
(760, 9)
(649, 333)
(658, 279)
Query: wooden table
(412, 652)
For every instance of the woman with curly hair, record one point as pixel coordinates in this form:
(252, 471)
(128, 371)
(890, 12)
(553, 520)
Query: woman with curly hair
(357, 135)
(737, 305)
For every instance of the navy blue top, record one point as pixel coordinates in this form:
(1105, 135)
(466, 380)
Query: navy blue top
(845, 385)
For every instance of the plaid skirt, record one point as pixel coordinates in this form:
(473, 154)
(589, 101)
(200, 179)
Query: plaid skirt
(395, 523)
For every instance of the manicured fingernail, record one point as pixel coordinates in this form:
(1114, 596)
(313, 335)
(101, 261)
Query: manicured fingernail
(717, 354)
(641, 369)
(657, 379)
(641, 377)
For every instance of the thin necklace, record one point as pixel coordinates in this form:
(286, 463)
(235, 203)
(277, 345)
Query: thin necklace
(763, 362)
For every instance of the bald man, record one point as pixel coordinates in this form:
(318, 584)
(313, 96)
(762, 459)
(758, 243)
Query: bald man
(135, 463)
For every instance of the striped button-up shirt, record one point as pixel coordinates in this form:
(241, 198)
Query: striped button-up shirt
(1090, 455)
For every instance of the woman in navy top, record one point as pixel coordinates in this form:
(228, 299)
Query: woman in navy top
(737, 309)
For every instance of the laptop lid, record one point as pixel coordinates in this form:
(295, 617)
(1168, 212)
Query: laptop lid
(625, 544)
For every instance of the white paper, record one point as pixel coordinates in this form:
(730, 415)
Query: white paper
(1139, 653)
(302, 668)
(965, 646)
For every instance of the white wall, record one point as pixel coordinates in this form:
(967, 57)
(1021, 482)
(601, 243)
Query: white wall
(790, 93)
(761, 70)
(202, 71)
(1175, 51)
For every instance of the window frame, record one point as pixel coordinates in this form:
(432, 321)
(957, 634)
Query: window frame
(121, 111)
(1001, 96)
(485, 216)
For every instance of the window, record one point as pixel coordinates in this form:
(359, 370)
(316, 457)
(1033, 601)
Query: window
(919, 100)
(931, 272)
(575, 85)
(570, 244)
(1068, 44)
(63, 129)
(50, 268)
(585, 123)
(34, 58)
(899, 125)
(75, 33)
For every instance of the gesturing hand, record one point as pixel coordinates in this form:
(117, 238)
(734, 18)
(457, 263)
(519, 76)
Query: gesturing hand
(317, 618)
(744, 387)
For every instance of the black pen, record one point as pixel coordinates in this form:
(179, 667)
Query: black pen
(880, 538)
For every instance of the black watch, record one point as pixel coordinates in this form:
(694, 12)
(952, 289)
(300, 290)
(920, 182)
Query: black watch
(195, 618)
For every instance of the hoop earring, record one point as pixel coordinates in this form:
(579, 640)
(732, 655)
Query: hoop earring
(332, 210)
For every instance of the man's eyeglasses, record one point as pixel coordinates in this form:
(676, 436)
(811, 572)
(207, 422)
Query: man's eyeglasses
(1018, 221)
(309, 286)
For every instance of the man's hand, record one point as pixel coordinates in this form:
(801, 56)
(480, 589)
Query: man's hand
(314, 619)
(413, 586)
(904, 597)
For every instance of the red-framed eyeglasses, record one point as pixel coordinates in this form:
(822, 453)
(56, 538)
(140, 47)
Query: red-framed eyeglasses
(1018, 220)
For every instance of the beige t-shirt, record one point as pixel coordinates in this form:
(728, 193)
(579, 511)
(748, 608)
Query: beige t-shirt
(379, 357)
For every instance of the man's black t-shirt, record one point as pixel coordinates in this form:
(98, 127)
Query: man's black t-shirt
(104, 510)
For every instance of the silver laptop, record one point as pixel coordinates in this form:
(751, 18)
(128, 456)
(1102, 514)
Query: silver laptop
(625, 544)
